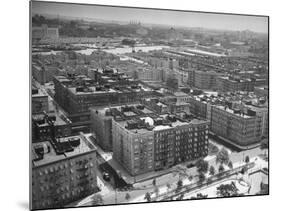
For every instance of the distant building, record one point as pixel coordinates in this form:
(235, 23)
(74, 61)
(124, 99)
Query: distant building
(147, 74)
(158, 62)
(44, 32)
(45, 73)
(63, 170)
(232, 84)
(173, 35)
(261, 91)
(141, 31)
(203, 79)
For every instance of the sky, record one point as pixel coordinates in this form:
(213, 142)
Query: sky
(171, 18)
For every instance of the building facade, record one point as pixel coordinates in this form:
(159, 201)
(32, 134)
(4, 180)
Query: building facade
(46, 126)
(44, 32)
(242, 129)
(149, 142)
(40, 102)
(63, 171)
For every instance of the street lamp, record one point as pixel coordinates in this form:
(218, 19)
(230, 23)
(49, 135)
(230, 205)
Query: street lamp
(115, 195)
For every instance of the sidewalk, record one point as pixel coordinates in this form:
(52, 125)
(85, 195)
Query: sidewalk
(237, 145)
(139, 178)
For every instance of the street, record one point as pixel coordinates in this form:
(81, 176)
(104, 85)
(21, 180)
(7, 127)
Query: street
(141, 188)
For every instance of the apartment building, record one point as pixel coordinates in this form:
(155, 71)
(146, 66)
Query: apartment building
(143, 141)
(40, 101)
(63, 171)
(46, 126)
(77, 94)
(203, 79)
(240, 127)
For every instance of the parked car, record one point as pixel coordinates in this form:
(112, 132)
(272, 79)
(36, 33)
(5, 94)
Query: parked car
(106, 176)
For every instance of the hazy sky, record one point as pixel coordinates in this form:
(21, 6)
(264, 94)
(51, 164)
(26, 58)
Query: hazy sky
(173, 18)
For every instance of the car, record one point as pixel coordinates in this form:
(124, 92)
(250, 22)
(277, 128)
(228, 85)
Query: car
(106, 176)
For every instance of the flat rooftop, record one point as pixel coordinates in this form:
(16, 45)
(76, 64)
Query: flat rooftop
(140, 119)
(60, 120)
(51, 156)
(38, 93)
(242, 115)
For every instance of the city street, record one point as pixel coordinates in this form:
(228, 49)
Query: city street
(140, 189)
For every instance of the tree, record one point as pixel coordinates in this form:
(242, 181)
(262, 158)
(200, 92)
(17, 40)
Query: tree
(222, 156)
(221, 168)
(230, 165)
(97, 199)
(226, 190)
(212, 170)
(180, 197)
(202, 177)
(154, 182)
(247, 159)
(179, 185)
(127, 197)
(147, 196)
(264, 146)
(202, 166)
(243, 170)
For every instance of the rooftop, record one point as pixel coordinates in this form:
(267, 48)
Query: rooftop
(42, 119)
(37, 93)
(235, 112)
(47, 152)
(140, 119)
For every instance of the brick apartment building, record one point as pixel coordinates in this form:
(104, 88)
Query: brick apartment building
(241, 128)
(77, 94)
(141, 138)
(63, 171)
